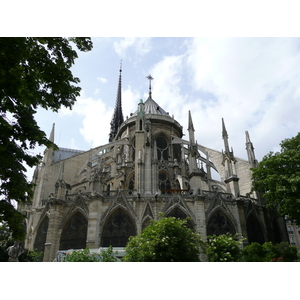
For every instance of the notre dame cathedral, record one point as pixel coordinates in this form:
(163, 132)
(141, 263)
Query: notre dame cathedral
(102, 196)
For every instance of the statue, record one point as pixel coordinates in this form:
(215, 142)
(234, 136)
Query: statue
(15, 251)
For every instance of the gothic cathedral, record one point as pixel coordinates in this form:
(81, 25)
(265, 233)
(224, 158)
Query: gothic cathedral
(102, 196)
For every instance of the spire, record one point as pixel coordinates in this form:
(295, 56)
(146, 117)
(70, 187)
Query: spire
(150, 79)
(191, 129)
(191, 125)
(51, 137)
(250, 151)
(225, 137)
(224, 131)
(117, 118)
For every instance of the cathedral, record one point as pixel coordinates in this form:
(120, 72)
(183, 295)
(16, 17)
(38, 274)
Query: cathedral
(102, 196)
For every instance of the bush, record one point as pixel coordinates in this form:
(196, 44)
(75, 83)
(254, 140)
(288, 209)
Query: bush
(166, 240)
(223, 248)
(254, 252)
(269, 252)
(84, 255)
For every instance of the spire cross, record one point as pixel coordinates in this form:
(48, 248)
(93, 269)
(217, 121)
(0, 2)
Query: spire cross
(150, 79)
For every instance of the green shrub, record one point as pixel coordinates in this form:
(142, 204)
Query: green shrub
(269, 252)
(165, 240)
(223, 248)
(84, 255)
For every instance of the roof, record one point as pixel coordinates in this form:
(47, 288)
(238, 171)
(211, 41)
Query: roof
(151, 107)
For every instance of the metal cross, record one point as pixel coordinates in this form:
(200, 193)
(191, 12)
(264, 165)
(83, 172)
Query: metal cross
(150, 78)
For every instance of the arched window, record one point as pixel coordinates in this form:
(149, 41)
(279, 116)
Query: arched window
(117, 229)
(74, 233)
(162, 148)
(41, 235)
(219, 224)
(164, 183)
(179, 214)
(254, 230)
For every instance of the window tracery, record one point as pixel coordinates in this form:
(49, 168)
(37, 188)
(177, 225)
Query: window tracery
(162, 148)
(118, 228)
(41, 235)
(219, 224)
(74, 233)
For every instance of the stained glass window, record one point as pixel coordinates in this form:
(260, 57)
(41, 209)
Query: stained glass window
(118, 228)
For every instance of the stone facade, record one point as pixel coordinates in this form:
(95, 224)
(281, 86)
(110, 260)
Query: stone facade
(100, 197)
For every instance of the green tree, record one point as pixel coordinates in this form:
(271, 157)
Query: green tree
(277, 179)
(165, 240)
(34, 72)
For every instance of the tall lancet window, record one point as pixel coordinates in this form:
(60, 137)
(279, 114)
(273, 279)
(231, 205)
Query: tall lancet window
(162, 148)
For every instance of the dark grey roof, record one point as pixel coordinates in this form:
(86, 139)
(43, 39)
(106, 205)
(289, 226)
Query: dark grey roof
(151, 107)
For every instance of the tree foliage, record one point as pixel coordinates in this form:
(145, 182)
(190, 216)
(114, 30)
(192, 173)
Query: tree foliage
(34, 72)
(223, 248)
(269, 252)
(85, 255)
(165, 240)
(277, 178)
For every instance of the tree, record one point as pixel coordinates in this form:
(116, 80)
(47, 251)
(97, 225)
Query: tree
(165, 240)
(34, 72)
(277, 178)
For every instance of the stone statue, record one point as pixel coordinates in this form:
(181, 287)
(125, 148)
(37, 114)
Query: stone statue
(15, 251)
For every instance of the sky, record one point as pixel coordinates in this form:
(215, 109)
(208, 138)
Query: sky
(253, 83)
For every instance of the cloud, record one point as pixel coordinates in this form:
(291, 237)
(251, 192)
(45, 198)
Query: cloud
(141, 46)
(96, 117)
(102, 79)
(256, 83)
(250, 82)
(253, 83)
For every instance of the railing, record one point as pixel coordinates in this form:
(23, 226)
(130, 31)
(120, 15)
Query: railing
(176, 191)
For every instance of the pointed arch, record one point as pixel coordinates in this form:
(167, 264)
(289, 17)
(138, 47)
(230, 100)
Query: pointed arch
(219, 223)
(117, 229)
(178, 213)
(74, 232)
(41, 236)
(162, 147)
(146, 222)
(254, 229)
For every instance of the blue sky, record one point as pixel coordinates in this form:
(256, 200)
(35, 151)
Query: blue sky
(253, 83)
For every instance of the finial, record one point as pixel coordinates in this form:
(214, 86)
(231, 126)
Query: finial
(150, 79)
(121, 66)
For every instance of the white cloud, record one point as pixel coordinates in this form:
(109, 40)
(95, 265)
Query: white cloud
(102, 79)
(256, 83)
(141, 46)
(251, 82)
(96, 115)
